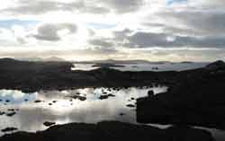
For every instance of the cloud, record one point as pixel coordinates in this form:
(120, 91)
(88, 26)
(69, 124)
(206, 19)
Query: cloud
(36, 7)
(201, 22)
(175, 1)
(208, 3)
(101, 43)
(50, 32)
(121, 28)
(122, 6)
(148, 39)
(39, 6)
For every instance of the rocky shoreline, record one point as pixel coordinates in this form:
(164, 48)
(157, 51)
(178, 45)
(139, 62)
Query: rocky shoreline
(195, 98)
(111, 131)
(36, 76)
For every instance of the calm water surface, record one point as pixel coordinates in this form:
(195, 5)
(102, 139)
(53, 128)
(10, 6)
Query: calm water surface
(28, 112)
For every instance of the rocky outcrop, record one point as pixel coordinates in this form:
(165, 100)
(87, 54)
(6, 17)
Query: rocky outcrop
(35, 76)
(197, 99)
(111, 131)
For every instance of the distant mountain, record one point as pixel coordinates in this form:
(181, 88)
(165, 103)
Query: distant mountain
(39, 59)
(54, 59)
(110, 61)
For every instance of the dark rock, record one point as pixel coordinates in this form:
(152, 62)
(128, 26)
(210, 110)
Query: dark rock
(150, 93)
(102, 97)
(7, 100)
(59, 76)
(216, 65)
(130, 105)
(122, 114)
(155, 68)
(81, 98)
(12, 110)
(111, 95)
(9, 129)
(197, 99)
(111, 131)
(37, 101)
(2, 113)
(11, 114)
(48, 123)
(185, 133)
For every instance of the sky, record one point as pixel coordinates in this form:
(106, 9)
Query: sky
(154, 30)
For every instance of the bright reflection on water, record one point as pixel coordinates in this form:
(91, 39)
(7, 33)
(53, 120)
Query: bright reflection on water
(28, 112)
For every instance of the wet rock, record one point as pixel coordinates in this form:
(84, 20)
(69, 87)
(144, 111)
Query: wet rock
(48, 123)
(81, 98)
(7, 100)
(9, 129)
(10, 114)
(111, 131)
(12, 110)
(37, 101)
(122, 114)
(130, 105)
(102, 97)
(150, 93)
(155, 68)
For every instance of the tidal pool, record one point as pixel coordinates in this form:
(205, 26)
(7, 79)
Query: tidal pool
(28, 111)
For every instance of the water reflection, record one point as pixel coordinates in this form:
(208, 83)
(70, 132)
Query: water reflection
(167, 66)
(28, 112)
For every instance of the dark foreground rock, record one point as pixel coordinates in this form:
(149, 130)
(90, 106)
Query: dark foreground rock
(49, 123)
(198, 99)
(111, 131)
(9, 129)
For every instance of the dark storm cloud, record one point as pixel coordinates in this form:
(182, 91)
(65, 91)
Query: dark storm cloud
(49, 32)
